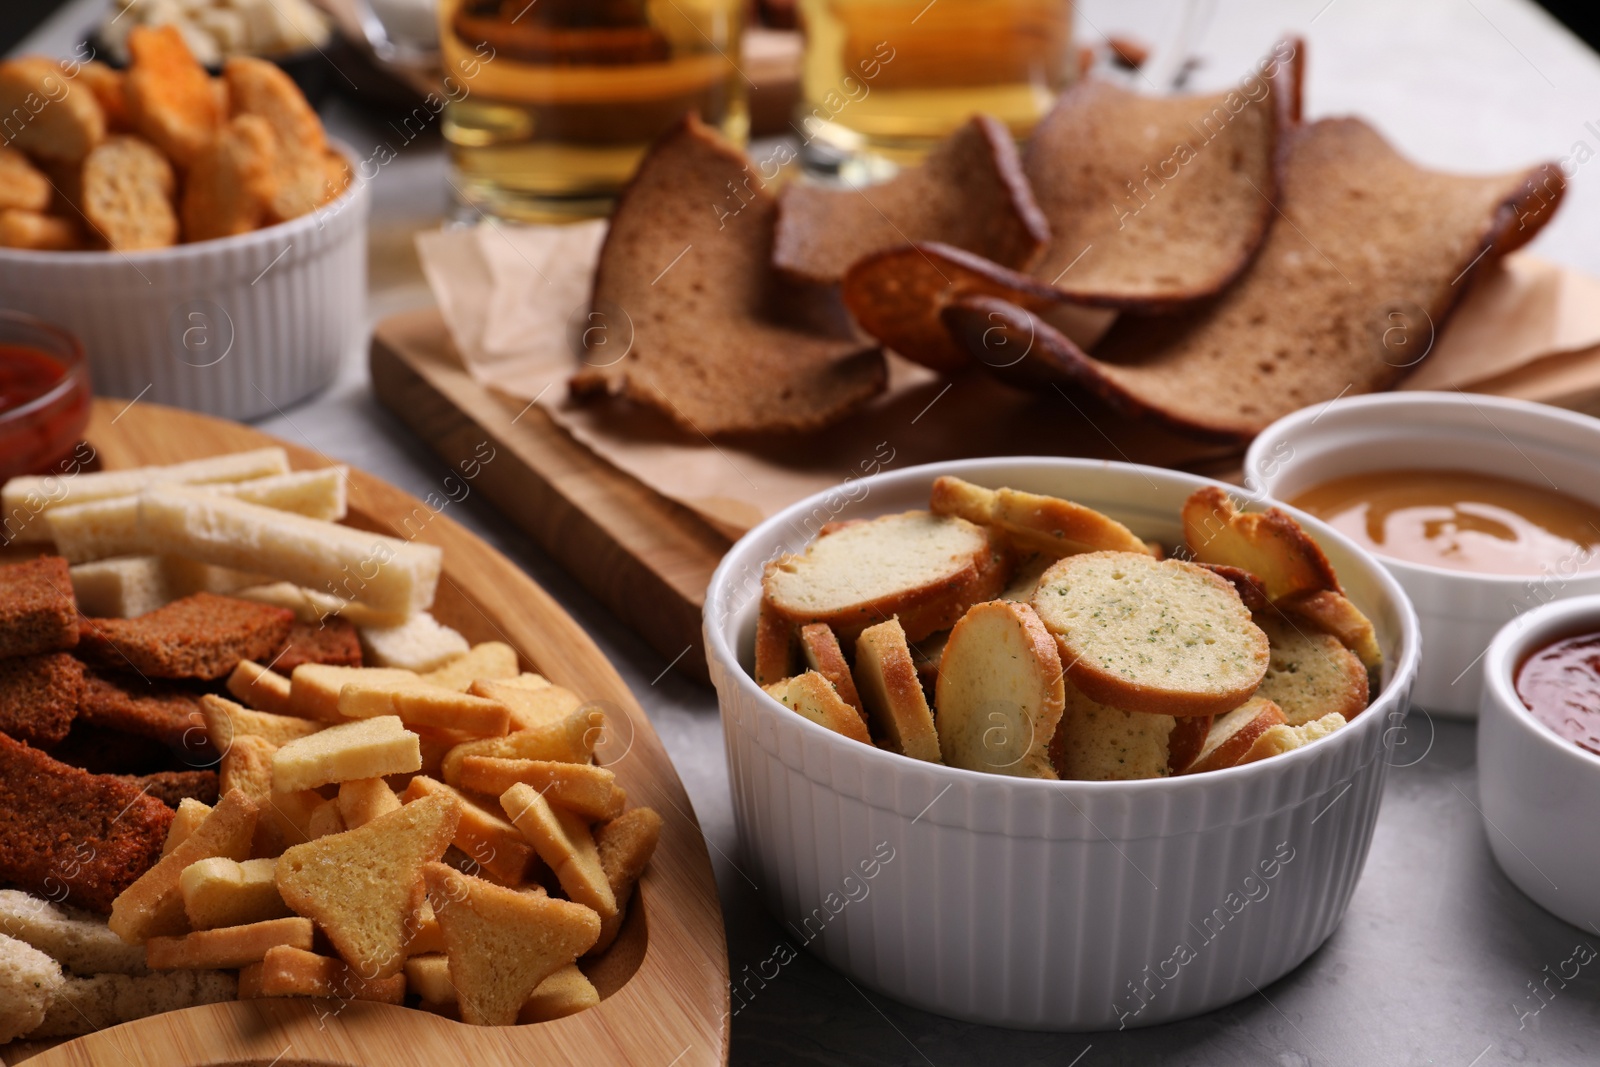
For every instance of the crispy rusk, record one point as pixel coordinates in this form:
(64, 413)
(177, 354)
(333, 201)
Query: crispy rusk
(1000, 692)
(364, 886)
(1188, 737)
(287, 971)
(626, 844)
(570, 740)
(260, 87)
(1095, 742)
(491, 660)
(814, 697)
(1157, 200)
(1331, 612)
(887, 678)
(110, 90)
(153, 905)
(1276, 740)
(169, 95)
(1162, 637)
(1311, 674)
(820, 646)
(1232, 735)
(693, 283)
(482, 832)
(23, 187)
(46, 115)
(41, 233)
(1320, 312)
(230, 184)
(968, 191)
(775, 645)
(501, 943)
(1268, 544)
(127, 195)
(583, 788)
(227, 946)
(564, 841)
(1033, 522)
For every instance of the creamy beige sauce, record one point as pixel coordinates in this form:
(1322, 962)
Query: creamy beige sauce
(1460, 520)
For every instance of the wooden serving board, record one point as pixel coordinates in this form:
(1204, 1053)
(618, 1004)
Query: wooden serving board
(664, 983)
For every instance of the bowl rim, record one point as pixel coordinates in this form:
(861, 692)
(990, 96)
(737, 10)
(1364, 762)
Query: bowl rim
(194, 249)
(1402, 676)
(1513, 643)
(1293, 426)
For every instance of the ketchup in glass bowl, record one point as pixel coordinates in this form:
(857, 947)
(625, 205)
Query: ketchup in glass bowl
(44, 394)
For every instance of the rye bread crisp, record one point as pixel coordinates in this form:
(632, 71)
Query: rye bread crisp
(1349, 290)
(1155, 201)
(199, 636)
(62, 827)
(686, 268)
(38, 612)
(968, 192)
(39, 696)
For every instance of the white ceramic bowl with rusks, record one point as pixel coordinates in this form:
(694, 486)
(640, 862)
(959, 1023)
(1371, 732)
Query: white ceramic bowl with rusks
(1538, 448)
(239, 327)
(1052, 905)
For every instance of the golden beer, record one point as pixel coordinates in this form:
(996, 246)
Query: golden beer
(555, 101)
(888, 78)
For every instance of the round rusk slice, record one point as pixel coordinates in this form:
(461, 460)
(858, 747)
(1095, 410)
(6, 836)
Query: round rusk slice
(1000, 692)
(1159, 636)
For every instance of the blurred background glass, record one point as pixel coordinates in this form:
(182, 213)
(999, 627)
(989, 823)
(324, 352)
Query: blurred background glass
(883, 80)
(555, 101)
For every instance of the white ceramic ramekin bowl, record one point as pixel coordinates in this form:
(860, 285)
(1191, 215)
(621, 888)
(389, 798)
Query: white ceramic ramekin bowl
(1460, 612)
(237, 327)
(1539, 792)
(1046, 905)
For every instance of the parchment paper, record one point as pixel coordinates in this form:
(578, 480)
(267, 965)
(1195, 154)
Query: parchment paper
(516, 302)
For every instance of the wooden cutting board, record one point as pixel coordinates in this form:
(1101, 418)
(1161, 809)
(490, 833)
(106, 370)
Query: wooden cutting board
(665, 980)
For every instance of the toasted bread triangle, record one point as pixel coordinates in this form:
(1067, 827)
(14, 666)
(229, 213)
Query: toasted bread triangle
(364, 886)
(502, 943)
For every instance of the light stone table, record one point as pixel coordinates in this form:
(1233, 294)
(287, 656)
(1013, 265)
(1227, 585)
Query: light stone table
(1437, 956)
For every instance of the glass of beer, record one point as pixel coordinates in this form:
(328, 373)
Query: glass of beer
(549, 104)
(883, 80)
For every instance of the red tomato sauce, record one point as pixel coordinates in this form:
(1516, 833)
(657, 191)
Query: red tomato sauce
(32, 441)
(1560, 684)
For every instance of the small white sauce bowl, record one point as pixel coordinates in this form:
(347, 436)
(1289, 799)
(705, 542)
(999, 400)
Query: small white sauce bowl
(1036, 904)
(1539, 793)
(239, 326)
(1460, 611)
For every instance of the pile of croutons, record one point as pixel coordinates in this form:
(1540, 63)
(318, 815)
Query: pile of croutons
(163, 153)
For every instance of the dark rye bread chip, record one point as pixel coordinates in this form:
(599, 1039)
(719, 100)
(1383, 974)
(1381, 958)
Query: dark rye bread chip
(200, 636)
(969, 192)
(706, 349)
(333, 641)
(74, 837)
(129, 704)
(38, 612)
(173, 787)
(1156, 201)
(1346, 295)
(39, 696)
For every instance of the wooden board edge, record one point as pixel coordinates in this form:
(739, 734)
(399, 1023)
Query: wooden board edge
(583, 520)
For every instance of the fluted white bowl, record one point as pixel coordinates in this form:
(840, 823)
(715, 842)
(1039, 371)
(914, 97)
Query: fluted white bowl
(1033, 904)
(1460, 611)
(238, 326)
(1538, 791)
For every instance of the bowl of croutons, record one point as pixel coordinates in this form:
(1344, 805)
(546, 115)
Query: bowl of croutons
(201, 235)
(1056, 744)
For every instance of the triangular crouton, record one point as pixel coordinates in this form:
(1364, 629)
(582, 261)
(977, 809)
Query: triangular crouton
(363, 887)
(502, 943)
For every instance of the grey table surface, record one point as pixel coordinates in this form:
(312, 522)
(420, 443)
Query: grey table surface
(1438, 955)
